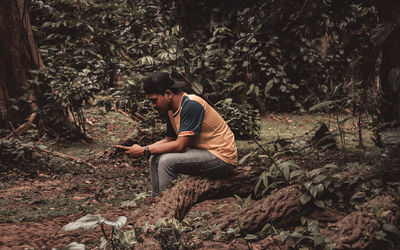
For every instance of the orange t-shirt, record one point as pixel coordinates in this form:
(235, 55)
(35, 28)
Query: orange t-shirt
(195, 117)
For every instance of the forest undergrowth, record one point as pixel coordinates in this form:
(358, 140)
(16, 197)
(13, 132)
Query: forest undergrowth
(93, 178)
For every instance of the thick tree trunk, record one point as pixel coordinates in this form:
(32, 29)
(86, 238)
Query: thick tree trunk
(18, 55)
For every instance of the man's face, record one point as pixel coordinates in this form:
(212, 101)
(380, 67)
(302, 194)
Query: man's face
(160, 102)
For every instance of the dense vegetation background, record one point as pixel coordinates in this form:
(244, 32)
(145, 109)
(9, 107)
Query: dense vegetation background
(269, 55)
(249, 58)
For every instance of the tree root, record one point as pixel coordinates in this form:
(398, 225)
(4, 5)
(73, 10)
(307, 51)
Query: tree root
(281, 208)
(273, 243)
(327, 215)
(235, 244)
(383, 207)
(277, 207)
(176, 201)
(355, 231)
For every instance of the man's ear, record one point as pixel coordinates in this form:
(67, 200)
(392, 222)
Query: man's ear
(168, 93)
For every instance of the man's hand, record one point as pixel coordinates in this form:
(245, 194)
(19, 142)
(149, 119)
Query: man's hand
(133, 151)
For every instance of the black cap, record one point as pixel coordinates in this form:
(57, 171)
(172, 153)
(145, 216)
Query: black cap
(158, 82)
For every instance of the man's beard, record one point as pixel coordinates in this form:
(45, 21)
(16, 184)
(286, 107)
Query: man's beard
(164, 115)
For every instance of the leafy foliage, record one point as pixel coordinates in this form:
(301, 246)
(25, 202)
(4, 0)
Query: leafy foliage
(81, 43)
(242, 120)
(275, 55)
(17, 154)
(118, 239)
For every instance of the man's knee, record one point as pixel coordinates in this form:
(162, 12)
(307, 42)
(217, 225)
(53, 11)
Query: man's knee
(167, 164)
(153, 162)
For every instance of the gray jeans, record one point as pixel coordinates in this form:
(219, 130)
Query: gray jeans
(165, 168)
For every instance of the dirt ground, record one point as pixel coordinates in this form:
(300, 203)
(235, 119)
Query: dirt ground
(38, 208)
(34, 208)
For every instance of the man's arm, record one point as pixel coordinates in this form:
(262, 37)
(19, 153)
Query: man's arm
(176, 146)
(167, 145)
(165, 140)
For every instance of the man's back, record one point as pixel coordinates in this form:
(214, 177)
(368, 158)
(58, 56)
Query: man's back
(196, 117)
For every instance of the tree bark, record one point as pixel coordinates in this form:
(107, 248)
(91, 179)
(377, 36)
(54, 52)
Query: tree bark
(357, 229)
(18, 55)
(18, 52)
(389, 12)
(177, 201)
(279, 208)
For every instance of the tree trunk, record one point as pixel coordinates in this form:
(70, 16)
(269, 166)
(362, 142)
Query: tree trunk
(18, 55)
(389, 12)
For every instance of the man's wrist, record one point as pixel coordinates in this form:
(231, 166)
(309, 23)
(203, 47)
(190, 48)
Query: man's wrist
(146, 152)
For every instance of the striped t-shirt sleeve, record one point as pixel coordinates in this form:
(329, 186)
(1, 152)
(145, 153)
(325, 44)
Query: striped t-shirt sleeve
(169, 130)
(192, 115)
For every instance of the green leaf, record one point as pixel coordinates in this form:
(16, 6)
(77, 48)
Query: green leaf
(323, 105)
(42, 147)
(265, 180)
(257, 186)
(296, 173)
(197, 87)
(380, 235)
(90, 28)
(265, 227)
(257, 90)
(313, 191)
(250, 90)
(319, 203)
(305, 198)
(251, 237)
(268, 87)
(391, 229)
(118, 223)
(286, 172)
(87, 222)
(238, 84)
(318, 240)
(283, 236)
(74, 246)
(127, 237)
(244, 158)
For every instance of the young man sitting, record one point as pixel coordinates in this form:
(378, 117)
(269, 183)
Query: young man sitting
(198, 141)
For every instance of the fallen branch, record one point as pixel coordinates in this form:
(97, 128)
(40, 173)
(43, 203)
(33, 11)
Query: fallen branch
(21, 129)
(64, 156)
(13, 131)
(39, 141)
(128, 115)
